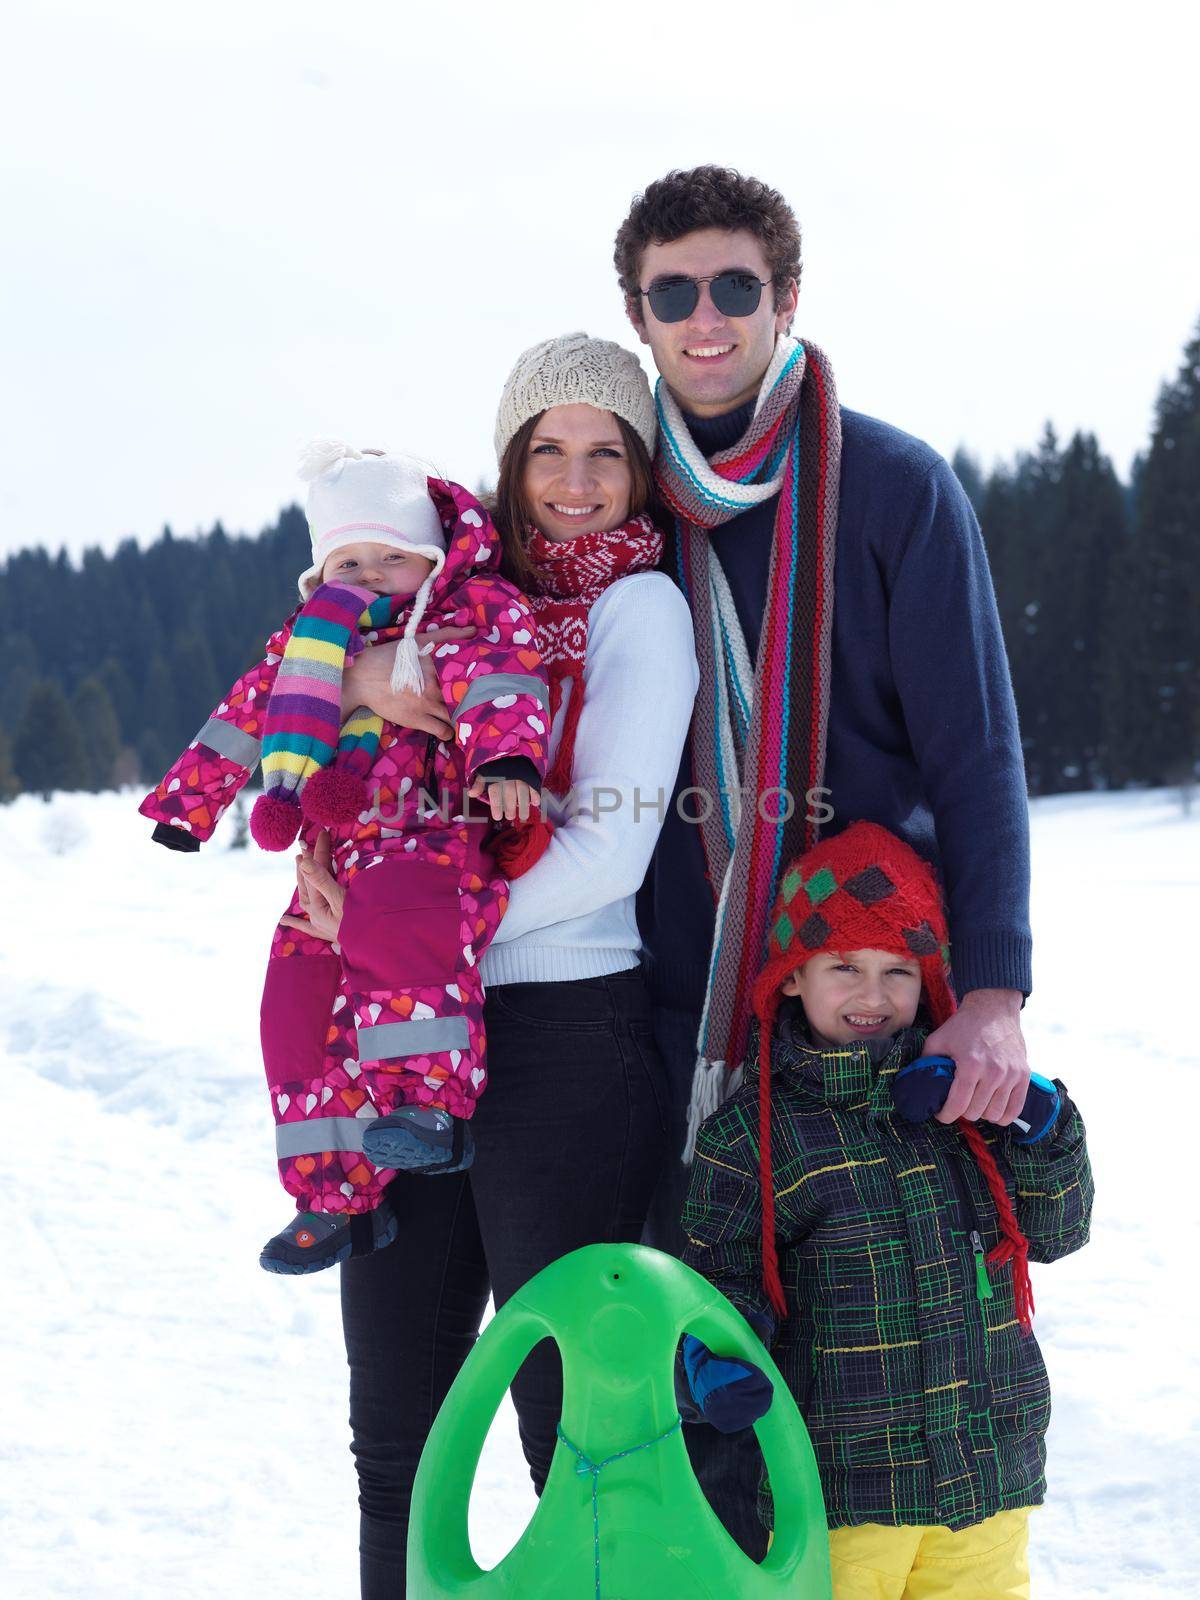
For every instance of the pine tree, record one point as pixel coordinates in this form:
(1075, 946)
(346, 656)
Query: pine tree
(198, 686)
(1003, 534)
(48, 751)
(1159, 602)
(100, 733)
(120, 691)
(8, 777)
(18, 674)
(1087, 535)
(1020, 512)
(970, 474)
(159, 739)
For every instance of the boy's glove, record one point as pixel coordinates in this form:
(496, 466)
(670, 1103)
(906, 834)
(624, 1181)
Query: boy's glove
(730, 1393)
(920, 1089)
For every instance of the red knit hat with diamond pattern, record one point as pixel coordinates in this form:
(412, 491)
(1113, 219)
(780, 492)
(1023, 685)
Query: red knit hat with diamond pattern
(864, 889)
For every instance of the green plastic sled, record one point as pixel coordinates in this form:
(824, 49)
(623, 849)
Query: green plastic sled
(640, 1527)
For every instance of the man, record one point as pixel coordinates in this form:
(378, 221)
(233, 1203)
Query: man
(851, 655)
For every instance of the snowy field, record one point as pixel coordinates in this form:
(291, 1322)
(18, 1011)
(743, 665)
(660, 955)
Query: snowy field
(174, 1419)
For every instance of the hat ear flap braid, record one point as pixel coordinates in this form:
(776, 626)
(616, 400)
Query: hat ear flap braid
(1013, 1244)
(766, 1177)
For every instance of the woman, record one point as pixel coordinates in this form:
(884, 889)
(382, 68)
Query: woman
(570, 1136)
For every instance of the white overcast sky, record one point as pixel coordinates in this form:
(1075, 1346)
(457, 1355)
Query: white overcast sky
(229, 227)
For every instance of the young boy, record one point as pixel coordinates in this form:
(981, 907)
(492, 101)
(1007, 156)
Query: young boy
(883, 1260)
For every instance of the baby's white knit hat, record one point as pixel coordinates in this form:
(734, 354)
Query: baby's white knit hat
(366, 496)
(575, 370)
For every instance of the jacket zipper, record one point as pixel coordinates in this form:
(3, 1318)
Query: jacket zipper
(969, 1215)
(430, 779)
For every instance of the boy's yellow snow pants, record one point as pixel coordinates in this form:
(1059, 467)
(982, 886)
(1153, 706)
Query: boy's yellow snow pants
(987, 1562)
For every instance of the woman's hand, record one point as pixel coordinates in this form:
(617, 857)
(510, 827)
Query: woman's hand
(508, 798)
(321, 895)
(367, 681)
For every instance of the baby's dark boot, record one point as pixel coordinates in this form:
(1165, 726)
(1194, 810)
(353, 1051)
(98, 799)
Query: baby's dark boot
(314, 1240)
(419, 1139)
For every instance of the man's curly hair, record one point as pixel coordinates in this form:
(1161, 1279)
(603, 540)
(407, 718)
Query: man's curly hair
(707, 197)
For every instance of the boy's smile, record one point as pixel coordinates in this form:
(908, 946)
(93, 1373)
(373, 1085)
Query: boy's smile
(873, 1024)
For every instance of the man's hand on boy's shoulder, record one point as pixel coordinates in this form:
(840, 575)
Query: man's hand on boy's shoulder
(991, 1072)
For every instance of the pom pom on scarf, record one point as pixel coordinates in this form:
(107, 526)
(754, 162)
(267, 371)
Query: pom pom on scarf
(333, 797)
(275, 822)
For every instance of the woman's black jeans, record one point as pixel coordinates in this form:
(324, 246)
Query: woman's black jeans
(570, 1141)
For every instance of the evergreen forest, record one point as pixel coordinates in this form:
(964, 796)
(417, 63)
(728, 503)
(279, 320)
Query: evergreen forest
(108, 666)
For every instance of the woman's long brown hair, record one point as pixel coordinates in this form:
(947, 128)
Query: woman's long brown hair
(513, 515)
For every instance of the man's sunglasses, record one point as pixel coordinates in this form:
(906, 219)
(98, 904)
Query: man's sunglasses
(735, 294)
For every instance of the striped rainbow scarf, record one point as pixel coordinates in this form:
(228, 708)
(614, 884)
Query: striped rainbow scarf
(758, 733)
(313, 766)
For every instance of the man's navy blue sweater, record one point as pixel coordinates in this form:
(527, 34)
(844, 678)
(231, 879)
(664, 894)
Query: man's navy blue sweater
(922, 723)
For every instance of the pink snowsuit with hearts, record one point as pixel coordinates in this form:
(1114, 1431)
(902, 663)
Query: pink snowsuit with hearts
(393, 1014)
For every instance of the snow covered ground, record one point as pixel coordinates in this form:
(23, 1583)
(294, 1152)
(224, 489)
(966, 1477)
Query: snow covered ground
(173, 1419)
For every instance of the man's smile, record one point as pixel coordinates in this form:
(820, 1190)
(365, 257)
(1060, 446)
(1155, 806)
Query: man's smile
(707, 352)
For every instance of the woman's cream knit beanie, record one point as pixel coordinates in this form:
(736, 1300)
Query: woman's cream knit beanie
(576, 370)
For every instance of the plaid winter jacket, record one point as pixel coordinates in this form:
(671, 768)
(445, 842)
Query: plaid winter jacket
(925, 1402)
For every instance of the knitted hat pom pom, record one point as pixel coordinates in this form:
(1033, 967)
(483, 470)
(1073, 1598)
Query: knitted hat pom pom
(320, 454)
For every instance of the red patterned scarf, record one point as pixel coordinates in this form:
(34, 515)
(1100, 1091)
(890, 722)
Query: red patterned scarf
(569, 577)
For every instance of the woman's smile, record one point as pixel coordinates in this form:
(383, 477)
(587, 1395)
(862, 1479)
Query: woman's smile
(573, 511)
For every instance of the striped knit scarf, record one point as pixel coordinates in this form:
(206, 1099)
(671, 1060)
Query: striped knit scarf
(570, 575)
(758, 734)
(313, 766)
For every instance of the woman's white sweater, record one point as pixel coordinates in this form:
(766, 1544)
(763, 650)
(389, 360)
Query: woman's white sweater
(572, 914)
